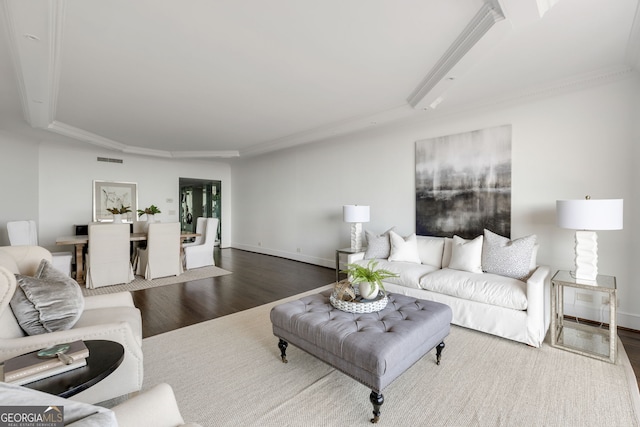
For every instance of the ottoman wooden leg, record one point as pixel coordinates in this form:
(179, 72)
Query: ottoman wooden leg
(439, 348)
(282, 345)
(377, 399)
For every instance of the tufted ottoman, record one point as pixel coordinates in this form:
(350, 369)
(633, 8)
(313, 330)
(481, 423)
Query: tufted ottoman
(373, 348)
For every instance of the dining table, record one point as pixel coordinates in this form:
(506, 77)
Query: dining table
(82, 240)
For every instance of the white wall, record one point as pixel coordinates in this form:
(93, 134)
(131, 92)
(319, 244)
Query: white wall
(53, 184)
(19, 182)
(289, 203)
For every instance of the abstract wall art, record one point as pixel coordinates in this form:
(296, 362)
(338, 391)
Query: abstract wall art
(463, 184)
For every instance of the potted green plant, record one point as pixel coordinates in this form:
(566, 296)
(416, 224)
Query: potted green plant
(118, 212)
(151, 210)
(369, 279)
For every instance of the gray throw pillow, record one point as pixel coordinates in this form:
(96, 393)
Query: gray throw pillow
(378, 246)
(50, 301)
(510, 258)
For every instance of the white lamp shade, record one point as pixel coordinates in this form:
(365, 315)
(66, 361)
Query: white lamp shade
(355, 213)
(587, 214)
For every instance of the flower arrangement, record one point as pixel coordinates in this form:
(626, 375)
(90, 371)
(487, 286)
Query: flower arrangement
(151, 210)
(121, 210)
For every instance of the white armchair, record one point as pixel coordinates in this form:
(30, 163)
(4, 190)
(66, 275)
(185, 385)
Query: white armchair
(107, 317)
(202, 255)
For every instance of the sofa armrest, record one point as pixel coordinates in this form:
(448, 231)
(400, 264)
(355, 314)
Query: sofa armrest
(537, 302)
(156, 406)
(351, 258)
(118, 331)
(118, 299)
(27, 258)
(535, 286)
(127, 378)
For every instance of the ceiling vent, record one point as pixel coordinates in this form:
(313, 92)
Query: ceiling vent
(108, 160)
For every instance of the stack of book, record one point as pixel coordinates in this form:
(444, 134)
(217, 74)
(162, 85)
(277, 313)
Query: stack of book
(30, 367)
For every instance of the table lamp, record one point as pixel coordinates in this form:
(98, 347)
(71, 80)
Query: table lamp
(586, 216)
(356, 215)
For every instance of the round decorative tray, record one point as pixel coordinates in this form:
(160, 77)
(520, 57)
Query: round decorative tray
(360, 305)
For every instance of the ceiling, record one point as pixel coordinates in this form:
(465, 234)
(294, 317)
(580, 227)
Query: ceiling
(222, 79)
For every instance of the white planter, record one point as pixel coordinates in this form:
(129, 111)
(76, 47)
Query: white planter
(150, 219)
(117, 218)
(366, 291)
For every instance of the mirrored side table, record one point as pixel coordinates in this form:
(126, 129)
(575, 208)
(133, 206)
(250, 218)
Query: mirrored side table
(584, 339)
(346, 251)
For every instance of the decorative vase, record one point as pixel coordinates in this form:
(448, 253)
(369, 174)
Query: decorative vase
(150, 220)
(117, 218)
(367, 291)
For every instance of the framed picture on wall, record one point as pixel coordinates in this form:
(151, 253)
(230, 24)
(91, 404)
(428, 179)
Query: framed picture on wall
(113, 194)
(463, 184)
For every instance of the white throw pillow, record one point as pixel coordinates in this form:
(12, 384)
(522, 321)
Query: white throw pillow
(403, 249)
(466, 255)
(430, 250)
(446, 254)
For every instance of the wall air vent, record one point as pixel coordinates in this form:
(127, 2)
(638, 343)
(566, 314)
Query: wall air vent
(108, 160)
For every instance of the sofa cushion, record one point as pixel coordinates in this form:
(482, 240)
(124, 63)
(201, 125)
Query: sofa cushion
(466, 255)
(403, 248)
(378, 246)
(409, 273)
(430, 250)
(511, 258)
(486, 288)
(49, 302)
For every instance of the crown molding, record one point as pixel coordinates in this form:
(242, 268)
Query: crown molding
(633, 47)
(84, 136)
(331, 130)
(438, 79)
(204, 154)
(56, 35)
(539, 92)
(100, 141)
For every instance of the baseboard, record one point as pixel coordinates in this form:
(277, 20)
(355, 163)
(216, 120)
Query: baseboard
(295, 256)
(588, 314)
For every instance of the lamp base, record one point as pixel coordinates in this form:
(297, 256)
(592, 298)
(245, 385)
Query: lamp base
(356, 237)
(586, 255)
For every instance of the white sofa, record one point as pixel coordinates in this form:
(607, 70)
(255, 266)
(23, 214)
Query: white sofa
(110, 317)
(491, 303)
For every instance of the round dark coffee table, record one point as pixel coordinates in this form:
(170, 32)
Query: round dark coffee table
(104, 358)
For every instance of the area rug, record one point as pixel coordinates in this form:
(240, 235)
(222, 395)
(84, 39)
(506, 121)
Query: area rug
(141, 283)
(228, 372)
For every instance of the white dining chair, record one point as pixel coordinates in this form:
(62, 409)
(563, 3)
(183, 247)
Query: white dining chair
(161, 257)
(108, 261)
(202, 255)
(25, 233)
(200, 225)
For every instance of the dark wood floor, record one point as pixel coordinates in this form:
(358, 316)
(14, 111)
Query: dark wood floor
(257, 279)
